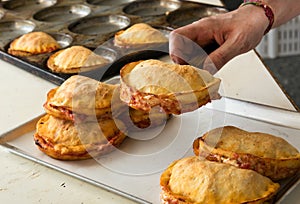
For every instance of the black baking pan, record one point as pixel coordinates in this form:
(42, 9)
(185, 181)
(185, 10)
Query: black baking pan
(90, 23)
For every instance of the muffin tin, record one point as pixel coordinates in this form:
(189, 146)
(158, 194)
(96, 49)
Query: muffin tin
(92, 23)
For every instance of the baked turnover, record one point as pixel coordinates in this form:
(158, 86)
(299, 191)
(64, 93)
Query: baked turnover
(139, 34)
(82, 98)
(193, 180)
(65, 140)
(267, 154)
(175, 88)
(33, 43)
(75, 59)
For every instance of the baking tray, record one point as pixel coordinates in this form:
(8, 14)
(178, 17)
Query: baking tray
(134, 169)
(91, 23)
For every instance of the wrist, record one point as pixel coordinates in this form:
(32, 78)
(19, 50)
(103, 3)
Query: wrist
(268, 11)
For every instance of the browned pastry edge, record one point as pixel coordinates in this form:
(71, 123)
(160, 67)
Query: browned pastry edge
(275, 169)
(19, 53)
(92, 150)
(67, 114)
(26, 54)
(145, 101)
(71, 70)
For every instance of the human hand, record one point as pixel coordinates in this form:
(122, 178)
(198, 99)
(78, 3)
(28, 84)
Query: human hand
(235, 32)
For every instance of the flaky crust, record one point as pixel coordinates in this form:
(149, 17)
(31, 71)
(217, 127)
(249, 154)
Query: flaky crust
(267, 154)
(175, 88)
(193, 180)
(82, 98)
(65, 140)
(75, 59)
(139, 34)
(33, 43)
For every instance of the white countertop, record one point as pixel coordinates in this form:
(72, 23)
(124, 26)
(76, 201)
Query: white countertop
(24, 181)
(22, 97)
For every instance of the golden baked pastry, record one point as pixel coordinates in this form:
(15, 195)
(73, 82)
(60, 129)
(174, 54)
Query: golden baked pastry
(267, 154)
(65, 140)
(81, 98)
(193, 180)
(139, 34)
(33, 43)
(175, 88)
(75, 59)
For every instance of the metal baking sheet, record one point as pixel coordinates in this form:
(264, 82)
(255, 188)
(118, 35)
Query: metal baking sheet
(134, 169)
(90, 23)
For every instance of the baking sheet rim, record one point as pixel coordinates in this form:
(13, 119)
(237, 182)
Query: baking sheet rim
(28, 127)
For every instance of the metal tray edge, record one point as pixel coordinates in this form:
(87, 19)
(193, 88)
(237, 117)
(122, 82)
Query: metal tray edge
(30, 126)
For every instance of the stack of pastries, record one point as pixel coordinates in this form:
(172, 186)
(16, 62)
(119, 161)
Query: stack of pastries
(78, 123)
(230, 165)
(85, 117)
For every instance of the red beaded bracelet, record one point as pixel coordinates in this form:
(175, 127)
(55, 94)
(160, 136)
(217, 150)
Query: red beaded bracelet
(268, 11)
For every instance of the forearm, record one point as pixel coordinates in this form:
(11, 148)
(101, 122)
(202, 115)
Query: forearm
(284, 10)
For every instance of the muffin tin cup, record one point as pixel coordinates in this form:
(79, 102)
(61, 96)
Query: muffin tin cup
(11, 29)
(151, 8)
(62, 14)
(186, 16)
(92, 24)
(27, 5)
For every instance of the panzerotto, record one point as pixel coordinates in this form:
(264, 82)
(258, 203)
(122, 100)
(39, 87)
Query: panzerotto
(33, 43)
(138, 35)
(66, 140)
(194, 180)
(83, 99)
(75, 59)
(267, 154)
(176, 88)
